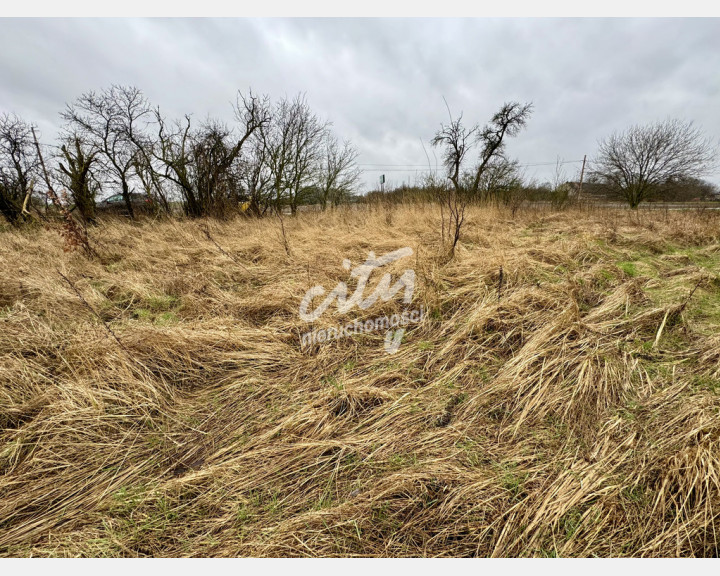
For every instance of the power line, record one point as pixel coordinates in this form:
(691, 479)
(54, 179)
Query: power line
(425, 165)
(419, 167)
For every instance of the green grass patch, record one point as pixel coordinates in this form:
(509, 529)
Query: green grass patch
(628, 268)
(161, 302)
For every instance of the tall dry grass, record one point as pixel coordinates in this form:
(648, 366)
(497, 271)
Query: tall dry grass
(155, 400)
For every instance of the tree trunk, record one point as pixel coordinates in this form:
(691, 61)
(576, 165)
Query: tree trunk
(128, 201)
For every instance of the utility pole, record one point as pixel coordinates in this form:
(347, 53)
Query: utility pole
(582, 175)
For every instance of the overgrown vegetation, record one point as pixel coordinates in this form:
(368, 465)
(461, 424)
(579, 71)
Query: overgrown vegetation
(154, 400)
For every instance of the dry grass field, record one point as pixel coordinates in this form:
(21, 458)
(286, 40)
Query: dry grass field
(155, 400)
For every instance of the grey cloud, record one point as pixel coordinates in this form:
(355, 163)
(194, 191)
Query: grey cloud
(382, 81)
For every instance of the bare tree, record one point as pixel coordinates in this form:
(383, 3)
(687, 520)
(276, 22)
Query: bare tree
(277, 149)
(76, 174)
(18, 166)
(506, 123)
(150, 176)
(457, 141)
(111, 121)
(203, 163)
(338, 174)
(174, 153)
(256, 176)
(75, 235)
(636, 163)
(214, 155)
(294, 147)
(148, 168)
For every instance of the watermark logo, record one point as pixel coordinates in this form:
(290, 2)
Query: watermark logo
(385, 290)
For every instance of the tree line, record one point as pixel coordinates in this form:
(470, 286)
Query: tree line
(279, 155)
(272, 156)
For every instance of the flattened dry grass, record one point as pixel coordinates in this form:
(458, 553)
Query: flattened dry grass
(574, 412)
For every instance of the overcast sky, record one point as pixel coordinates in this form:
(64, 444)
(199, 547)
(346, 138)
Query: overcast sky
(382, 81)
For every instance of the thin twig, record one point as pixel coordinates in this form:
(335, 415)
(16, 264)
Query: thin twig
(282, 228)
(87, 305)
(687, 300)
(206, 231)
(500, 283)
